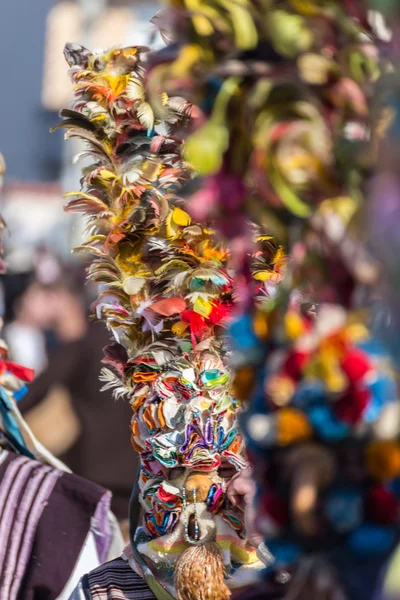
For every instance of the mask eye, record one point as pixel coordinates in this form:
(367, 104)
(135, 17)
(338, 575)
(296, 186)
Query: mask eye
(175, 473)
(226, 471)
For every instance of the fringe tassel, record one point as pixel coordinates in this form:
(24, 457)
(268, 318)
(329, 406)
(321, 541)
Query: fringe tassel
(200, 574)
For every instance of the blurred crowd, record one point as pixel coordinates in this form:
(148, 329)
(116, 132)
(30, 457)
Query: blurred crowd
(44, 300)
(47, 326)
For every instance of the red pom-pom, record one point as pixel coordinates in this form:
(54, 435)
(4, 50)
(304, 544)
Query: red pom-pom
(351, 406)
(355, 365)
(382, 505)
(220, 312)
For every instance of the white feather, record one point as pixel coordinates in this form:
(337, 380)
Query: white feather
(114, 383)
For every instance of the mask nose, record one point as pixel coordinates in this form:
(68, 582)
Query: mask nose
(200, 482)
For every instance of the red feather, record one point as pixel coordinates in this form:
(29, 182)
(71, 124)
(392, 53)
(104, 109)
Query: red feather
(168, 306)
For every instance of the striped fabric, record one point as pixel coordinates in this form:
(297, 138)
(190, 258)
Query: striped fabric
(24, 493)
(116, 580)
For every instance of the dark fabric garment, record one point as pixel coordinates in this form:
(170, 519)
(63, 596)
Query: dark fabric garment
(45, 517)
(259, 592)
(103, 452)
(360, 577)
(116, 581)
(62, 531)
(25, 489)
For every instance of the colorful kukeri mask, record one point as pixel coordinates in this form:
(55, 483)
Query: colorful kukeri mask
(185, 426)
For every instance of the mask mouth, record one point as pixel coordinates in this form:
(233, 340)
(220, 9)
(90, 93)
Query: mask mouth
(201, 525)
(193, 528)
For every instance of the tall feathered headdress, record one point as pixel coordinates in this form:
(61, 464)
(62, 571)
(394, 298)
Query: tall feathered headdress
(166, 292)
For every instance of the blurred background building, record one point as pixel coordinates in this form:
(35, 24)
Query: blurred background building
(36, 84)
(44, 301)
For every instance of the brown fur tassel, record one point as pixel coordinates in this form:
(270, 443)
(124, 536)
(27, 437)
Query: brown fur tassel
(199, 574)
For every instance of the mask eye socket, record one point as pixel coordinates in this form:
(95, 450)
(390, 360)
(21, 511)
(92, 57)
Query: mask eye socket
(174, 474)
(226, 471)
(97, 64)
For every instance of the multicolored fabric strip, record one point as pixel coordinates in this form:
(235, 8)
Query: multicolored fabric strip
(25, 489)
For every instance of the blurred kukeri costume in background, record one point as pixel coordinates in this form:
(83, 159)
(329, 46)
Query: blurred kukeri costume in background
(166, 293)
(293, 120)
(53, 524)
